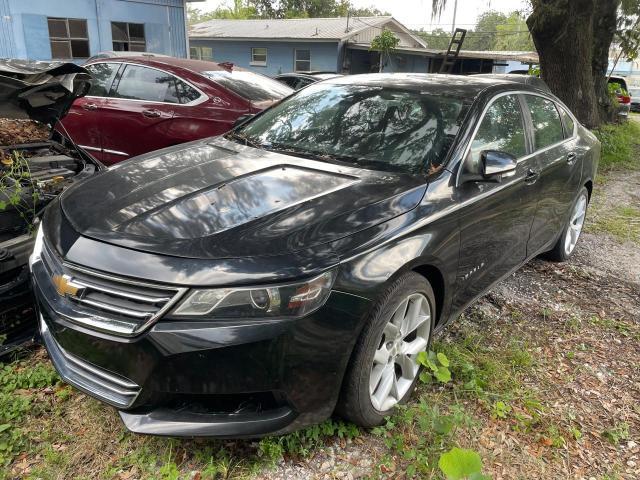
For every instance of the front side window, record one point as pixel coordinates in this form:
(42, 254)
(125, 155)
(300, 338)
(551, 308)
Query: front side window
(128, 37)
(302, 60)
(250, 86)
(103, 74)
(68, 37)
(141, 83)
(380, 128)
(501, 129)
(547, 127)
(259, 56)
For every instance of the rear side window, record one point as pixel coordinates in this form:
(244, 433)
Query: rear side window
(141, 83)
(249, 85)
(501, 129)
(103, 74)
(547, 127)
(568, 123)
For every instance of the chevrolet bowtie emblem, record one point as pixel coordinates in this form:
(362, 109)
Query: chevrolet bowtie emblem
(65, 286)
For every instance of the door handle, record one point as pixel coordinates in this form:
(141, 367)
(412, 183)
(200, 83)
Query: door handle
(90, 106)
(571, 158)
(153, 113)
(531, 177)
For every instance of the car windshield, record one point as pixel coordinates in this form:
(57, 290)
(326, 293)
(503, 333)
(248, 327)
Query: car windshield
(376, 127)
(249, 85)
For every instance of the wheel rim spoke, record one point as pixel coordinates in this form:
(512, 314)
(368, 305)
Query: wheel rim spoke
(385, 386)
(575, 225)
(414, 347)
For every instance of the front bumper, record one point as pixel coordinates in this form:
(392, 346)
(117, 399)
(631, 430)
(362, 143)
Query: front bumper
(231, 379)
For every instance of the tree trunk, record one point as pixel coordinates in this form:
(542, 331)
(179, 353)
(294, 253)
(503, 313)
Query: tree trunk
(604, 29)
(562, 31)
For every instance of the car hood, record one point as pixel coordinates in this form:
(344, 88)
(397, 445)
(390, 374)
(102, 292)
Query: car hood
(218, 199)
(42, 91)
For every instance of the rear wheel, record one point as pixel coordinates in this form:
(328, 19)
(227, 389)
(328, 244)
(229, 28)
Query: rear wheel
(568, 240)
(384, 366)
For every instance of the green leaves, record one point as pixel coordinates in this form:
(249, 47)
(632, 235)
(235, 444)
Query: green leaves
(459, 464)
(438, 364)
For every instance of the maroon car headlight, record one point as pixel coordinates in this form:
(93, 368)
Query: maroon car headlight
(290, 300)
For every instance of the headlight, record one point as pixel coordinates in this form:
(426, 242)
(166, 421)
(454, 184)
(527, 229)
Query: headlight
(37, 246)
(293, 300)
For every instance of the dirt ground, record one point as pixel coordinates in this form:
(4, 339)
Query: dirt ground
(578, 322)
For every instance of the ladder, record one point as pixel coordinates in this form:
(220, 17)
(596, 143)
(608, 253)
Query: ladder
(449, 60)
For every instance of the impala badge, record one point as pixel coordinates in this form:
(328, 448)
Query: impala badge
(65, 286)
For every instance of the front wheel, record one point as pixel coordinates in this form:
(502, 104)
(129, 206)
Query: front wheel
(384, 366)
(568, 240)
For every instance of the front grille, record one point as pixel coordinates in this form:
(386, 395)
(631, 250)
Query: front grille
(109, 387)
(108, 303)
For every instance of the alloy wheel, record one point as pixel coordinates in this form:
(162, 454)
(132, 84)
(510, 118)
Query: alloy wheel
(575, 224)
(395, 362)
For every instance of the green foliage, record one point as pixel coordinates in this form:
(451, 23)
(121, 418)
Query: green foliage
(459, 463)
(513, 34)
(620, 146)
(17, 189)
(16, 381)
(437, 366)
(617, 433)
(247, 9)
(385, 43)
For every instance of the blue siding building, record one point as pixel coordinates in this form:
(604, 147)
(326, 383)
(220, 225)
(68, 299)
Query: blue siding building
(272, 47)
(78, 29)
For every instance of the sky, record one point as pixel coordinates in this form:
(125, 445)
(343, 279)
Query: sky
(416, 14)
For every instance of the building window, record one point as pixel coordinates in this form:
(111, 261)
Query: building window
(68, 38)
(302, 60)
(128, 37)
(259, 56)
(201, 53)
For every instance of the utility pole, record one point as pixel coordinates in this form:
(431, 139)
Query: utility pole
(455, 12)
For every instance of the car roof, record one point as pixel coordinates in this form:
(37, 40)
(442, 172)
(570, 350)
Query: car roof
(197, 66)
(454, 85)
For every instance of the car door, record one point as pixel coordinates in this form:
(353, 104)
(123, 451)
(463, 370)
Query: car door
(495, 216)
(137, 114)
(560, 166)
(83, 123)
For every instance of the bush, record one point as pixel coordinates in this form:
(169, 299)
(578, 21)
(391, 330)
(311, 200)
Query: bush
(620, 144)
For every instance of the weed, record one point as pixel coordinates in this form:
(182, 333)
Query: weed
(623, 223)
(617, 433)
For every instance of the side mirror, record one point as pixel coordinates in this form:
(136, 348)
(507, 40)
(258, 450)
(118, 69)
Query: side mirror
(496, 163)
(243, 118)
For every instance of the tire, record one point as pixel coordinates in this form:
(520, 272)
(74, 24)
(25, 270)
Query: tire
(356, 402)
(563, 249)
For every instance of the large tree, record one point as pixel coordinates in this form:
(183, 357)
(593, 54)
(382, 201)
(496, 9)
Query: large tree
(573, 38)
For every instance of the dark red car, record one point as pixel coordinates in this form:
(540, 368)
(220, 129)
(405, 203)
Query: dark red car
(137, 105)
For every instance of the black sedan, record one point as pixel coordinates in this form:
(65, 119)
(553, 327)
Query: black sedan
(298, 80)
(258, 282)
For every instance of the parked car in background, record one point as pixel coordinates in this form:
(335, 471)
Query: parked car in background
(634, 93)
(34, 169)
(120, 54)
(298, 80)
(256, 282)
(139, 103)
(619, 86)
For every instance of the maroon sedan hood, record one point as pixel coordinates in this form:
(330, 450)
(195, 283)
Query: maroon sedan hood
(224, 200)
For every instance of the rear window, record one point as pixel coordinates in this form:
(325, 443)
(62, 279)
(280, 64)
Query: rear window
(249, 85)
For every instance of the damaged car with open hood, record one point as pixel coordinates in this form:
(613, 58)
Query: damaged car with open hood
(35, 167)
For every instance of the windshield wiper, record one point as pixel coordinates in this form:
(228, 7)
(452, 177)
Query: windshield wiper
(233, 135)
(326, 157)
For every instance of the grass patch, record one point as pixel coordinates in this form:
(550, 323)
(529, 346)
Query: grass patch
(623, 223)
(620, 143)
